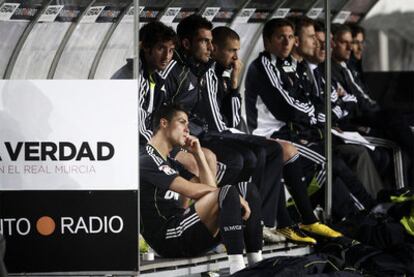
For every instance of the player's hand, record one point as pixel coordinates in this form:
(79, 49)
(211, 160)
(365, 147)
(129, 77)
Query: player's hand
(340, 91)
(235, 74)
(363, 129)
(246, 208)
(192, 144)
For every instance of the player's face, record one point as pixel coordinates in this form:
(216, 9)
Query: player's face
(160, 55)
(307, 42)
(201, 45)
(226, 54)
(358, 45)
(342, 47)
(178, 129)
(281, 42)
(320, 51)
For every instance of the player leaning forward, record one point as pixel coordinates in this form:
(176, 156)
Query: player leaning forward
(228, 214)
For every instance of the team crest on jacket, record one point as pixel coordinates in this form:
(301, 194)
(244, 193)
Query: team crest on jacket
(191, 87)
(167, 169)
(288, 69)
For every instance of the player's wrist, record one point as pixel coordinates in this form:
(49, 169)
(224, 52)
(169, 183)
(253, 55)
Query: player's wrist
(198, 153)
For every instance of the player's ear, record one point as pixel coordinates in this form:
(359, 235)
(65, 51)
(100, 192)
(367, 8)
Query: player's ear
(163, 123)
(186, 44)
(296, 41)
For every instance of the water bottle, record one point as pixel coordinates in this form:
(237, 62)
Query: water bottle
(146, 251)
(149, 255)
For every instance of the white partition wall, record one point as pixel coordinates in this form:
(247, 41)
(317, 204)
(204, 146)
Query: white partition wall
(246, 32)
(39, 50)
(77, 58)
(118, 49)
(253, 55)
(10, 32)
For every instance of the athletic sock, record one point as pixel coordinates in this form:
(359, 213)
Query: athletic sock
(236, 263)
(254, 257)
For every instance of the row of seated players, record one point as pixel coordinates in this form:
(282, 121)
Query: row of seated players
(285, 110)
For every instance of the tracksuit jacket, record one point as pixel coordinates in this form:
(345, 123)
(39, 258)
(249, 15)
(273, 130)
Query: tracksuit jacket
(195, 86)
(152, 93)
(275, 104)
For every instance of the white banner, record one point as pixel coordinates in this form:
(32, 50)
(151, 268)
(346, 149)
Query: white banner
(7, 10)
(51, 13)
(170, 14)
(341, 17)
(92, 14)
(129, 16)
(281, 13)
(68, 135)
(314, 13)
(210, 12)
(244, 16)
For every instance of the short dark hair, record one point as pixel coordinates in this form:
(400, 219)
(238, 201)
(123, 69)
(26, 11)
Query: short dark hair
(154, 32)
(356, 29)
(167, 112)
(339, 29)
(189, 26)
(301, 22)
(275, 23)
(222, 33)
(320, 26)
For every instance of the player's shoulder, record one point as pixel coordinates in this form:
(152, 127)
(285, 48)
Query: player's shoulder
(149, 156)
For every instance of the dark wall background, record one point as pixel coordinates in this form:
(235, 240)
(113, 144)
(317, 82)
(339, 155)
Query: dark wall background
(393, 90)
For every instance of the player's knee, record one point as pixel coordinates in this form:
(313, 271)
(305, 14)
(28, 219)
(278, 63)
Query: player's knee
(207, 207)
(188, 161)
(214, 196)
(229, 169)
(250, 162)
(210, 156)
(211, 159)
(228, 197)
(364, 153)
(253, 194)
(235, 164)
